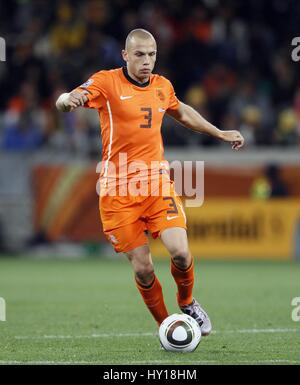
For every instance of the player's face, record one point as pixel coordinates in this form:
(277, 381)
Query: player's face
(140, 57)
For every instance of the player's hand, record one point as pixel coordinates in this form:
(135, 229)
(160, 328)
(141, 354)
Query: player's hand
(76, 99)
(68, 101)
(235, 137)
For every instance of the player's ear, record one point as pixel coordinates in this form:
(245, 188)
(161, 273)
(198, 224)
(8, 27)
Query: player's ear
(124, 55)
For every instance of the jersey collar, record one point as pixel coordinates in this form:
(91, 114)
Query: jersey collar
(142, 85)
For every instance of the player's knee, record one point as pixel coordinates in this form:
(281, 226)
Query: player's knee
(182, 258)
(145, 274)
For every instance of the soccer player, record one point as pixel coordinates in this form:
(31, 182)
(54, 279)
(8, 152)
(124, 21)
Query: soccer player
(131, 102)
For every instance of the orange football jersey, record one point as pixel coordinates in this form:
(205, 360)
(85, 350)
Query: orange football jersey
(131, 115)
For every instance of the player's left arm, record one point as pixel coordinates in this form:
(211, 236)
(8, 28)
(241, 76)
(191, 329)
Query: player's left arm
(190, 118)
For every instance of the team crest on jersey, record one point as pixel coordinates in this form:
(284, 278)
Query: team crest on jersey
(87, 83)
(160, 94)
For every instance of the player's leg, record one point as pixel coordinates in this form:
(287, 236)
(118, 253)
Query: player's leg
(182, 269)
(147, 282)
(182, 264)
(167, 220)
(122, 227)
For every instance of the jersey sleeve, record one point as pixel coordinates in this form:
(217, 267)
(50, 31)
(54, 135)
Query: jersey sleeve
(173, 101)
(96, 86)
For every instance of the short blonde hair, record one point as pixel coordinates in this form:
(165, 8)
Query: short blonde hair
(138, 33)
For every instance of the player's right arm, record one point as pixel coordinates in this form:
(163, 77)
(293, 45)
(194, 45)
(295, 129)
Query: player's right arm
(69, 101)
(86, 95)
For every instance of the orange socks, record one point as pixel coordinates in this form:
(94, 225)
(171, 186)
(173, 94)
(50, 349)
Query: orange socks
(185, 282)
(153, 295)
(153, 298)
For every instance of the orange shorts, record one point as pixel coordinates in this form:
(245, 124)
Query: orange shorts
(125, 219)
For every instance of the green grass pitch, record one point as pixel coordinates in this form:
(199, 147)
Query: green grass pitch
(89, 311)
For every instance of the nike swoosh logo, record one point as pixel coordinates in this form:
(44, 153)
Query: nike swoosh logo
(125, 97)
(161, 110)
(169, 218)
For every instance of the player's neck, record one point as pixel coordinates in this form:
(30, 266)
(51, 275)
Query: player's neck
(139, 80)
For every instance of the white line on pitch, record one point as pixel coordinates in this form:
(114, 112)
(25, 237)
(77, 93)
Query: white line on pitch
(245, 331)
(100, 335)
(113, 335)
(51, 362)
(213, 361)
(146, 362)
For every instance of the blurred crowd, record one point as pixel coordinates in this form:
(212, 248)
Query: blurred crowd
(230, 60)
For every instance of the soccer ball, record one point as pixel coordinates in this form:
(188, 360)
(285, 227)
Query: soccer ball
(179, 333)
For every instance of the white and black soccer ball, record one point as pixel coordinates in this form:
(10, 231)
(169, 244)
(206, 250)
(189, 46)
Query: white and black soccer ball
(179, 333)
